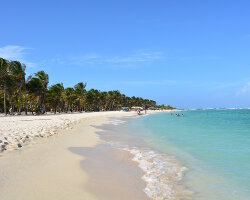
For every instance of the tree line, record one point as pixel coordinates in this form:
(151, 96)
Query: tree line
(33, 94)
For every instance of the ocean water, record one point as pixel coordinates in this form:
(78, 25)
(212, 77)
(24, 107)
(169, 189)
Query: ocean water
(204, 155)
(211, 147)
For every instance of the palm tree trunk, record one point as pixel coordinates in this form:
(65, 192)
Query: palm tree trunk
(11, 104)
(4, 100)
(19, 102)
(25, 102)
(55, 108)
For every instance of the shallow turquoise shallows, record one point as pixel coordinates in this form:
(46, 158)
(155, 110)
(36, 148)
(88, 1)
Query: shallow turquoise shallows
(213, 144)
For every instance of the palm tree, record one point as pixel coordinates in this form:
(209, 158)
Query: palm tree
(44, 80)
(17, 73)
(93, 100)
(34, 93)
(4, 76)
(54, 95)
(34, 87)
(37, 86)
(80, 92)
(70, 97)
(114, 99)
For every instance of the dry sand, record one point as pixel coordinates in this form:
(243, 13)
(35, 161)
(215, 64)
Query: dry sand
(18, 131)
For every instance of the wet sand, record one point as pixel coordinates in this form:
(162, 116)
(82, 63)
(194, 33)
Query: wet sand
(113, 174)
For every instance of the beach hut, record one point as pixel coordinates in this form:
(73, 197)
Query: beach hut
(124, 108)
(135, 108)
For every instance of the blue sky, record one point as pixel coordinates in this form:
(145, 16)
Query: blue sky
(189, 54)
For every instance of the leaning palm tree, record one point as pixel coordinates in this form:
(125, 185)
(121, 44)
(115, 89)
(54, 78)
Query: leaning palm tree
(4, 76)
(17, 74)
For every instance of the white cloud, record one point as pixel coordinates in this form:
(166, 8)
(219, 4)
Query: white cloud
(15, 52)
(245, 89)
(214, 86)
(154, 82)
(90, 58)
(12, 52)
(137, 58)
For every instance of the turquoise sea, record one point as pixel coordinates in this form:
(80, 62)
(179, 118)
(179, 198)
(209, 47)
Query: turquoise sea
(210, 150)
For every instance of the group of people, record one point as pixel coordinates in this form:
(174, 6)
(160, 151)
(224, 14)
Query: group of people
(177, 114)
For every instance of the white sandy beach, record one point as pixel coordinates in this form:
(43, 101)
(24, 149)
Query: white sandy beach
(45, 168)
(17, 131)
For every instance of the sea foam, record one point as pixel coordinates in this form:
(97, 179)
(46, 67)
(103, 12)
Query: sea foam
(161, 172)
(115, 121)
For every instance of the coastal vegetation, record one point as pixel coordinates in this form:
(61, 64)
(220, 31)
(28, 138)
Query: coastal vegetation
(33, 94)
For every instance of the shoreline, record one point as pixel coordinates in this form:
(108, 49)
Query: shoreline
(48, 167)
(113, 174)
(162, 173)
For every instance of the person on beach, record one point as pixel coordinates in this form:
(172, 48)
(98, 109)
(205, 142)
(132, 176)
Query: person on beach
(43, 110)
(10, 111)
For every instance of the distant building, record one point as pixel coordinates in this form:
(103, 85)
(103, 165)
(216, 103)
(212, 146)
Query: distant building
(135, 108)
